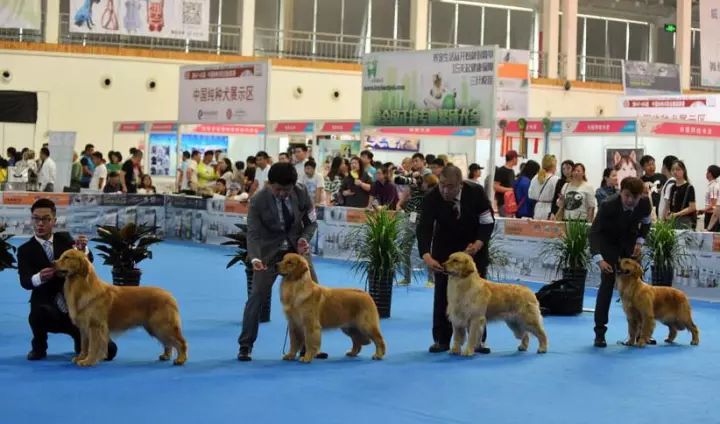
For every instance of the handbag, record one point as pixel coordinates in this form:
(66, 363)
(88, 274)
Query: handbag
(560, 215)
(685, 222)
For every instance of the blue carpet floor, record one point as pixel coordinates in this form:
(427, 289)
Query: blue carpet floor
(573, 383)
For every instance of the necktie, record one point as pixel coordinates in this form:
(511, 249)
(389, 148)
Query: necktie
(48, 248)
(287, 216)
(456, 208)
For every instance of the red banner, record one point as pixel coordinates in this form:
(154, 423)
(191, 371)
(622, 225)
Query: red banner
(340, 127)
(229, 129)
(531, 127)
(294, 127)
(688, 129)
(232, 206)
(27, 199)
(600, 127)
(163, 127)
(131, 127)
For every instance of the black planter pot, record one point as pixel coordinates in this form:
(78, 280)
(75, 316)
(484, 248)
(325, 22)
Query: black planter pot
(265, 307)
(662, 276)
(576, 278)
(126, 277)
(380, 287)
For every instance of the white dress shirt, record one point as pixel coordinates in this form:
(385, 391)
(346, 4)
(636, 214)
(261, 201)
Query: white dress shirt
(47, 173)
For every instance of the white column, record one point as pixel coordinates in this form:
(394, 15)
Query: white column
(568, 38)
(286, 24)
(52, 22)
(551, 35)
(683, 41)
(247, 46)
(419, 24)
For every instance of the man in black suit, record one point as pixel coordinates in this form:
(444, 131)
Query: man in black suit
(619, 231)
(456, 216)
(48, 310)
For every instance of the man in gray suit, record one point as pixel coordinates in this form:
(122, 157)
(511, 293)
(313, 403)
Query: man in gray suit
(281, 219)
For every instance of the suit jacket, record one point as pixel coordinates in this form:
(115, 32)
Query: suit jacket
(266, 234)
(31, 259)
(440, 232)
(614, 232)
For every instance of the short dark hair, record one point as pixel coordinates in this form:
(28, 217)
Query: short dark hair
(250, 160)
(418, 156)
(89, 146)
(632, 184)
(567, 162)
(302, 147)
(429, 158)
(137, 153)
(45, 151)
(186, 155)
(368, 154)
(97, 155)
(714, 170)
(239, 165)
(209, 153)
(284, 154)
(438, 162)
(282, 173)
(451, 171)
(194, 152)
(668, 161)
(311, 164)
(43, 203)
(132, 150)
(261, 154)
(645, 159)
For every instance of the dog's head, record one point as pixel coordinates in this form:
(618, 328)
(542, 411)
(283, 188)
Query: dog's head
(72, 262)
(460, 264)
(630, 268)
(293, 266)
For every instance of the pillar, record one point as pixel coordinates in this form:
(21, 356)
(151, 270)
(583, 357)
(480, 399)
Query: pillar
(52, 21)
(683, 41)
(419, 24)
(247, 40)
(568, 38)
(550, 36)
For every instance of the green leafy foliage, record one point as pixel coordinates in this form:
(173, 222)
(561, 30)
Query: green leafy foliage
(239, 240)
(571, 250)
(124, 248)
(666, 247)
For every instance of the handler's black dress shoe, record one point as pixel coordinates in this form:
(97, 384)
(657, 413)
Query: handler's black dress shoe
(438, 348)
(244, 354)
(482, 349)
(35, 355)
(319, 355)
(600, 342)
(112, 351)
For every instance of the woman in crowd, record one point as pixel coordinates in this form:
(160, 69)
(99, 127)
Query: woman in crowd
(250, 186)
(521, 188)
(682, 199)
(146, 185)
(542, 188)
(334, 178)
(474, 173)
(239, 173)
(220, 188)
(711, 195)
(608, 185)
(356, 187)
(566, 169)
(115, 164)
(225, 169)
(577, 197)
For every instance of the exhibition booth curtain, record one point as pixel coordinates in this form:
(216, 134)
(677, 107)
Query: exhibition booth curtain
(18, 106)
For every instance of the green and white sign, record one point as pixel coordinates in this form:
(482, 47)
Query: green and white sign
(448, 87)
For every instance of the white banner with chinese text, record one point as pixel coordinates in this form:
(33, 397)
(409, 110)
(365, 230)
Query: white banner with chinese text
(710, 42)
(182, 19)
(223, 94)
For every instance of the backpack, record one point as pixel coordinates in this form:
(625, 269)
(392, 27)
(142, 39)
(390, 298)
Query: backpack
(561, 297)
(511, 206)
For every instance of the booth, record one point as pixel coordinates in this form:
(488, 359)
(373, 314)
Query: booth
(235, 140)
(337, 138)
(283, 134)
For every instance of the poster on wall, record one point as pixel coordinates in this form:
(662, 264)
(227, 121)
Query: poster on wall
(163, 154)
(447, 87)
(698, 108)
(203, 143)
(645, 78)
(625, 161)
(513, 84)
(25, 14)
(388, 142)
(710, 43)
(182, 19)
(221, 94)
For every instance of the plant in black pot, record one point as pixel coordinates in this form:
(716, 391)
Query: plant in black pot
(7, 259)
(239, 240)
(380, 246)
(570, 252)
(123, 248)
(666, 249)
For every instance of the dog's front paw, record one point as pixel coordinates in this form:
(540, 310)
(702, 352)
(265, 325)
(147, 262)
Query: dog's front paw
(668, 341)
(164, 357)
(455, 350)
(306, 359)
(640, 344)
(351, 354)
(289, 357)
(468, 352)
(542, 350)
(377, 357)
(77, 358)
(179, 361)
(695, 342)
(85, 363)
(522, 348)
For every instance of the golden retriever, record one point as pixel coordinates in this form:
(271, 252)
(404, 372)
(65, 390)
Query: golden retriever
(473, 301)
(643, 304)
(99, 309)
(310, 307)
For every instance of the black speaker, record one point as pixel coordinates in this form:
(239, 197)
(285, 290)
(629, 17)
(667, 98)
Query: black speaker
(561, 297)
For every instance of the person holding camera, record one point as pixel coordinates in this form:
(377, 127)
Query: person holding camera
(48, 308)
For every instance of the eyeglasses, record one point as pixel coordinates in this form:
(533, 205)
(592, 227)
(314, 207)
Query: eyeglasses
(43, 219)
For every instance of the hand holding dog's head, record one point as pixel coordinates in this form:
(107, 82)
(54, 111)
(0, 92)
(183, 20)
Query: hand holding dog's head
(293, 266)
(72, 262)
(460, 264)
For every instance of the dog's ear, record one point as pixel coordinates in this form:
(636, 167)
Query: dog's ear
(617, 157)
(83, 265)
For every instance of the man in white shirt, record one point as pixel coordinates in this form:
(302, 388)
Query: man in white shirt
(313, 182)
(192, 170)
(182, 182)
(99, 174)
(300, 153)
(47, 172)
(667, 188)
(262, 167)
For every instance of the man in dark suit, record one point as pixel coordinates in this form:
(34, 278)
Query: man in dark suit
(456, 216)
(48, 310)
(619, 231)
(281, 219)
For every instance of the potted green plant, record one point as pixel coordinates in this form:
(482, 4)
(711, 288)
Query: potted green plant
(123, 248)
(570, 252)
(239, 240)
(665, 250)
(7, 259)
(380, 245)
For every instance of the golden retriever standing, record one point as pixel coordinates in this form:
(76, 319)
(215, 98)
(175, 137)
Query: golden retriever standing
(643, 304)
(99, 309)
(473, 301)
(310, 307)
